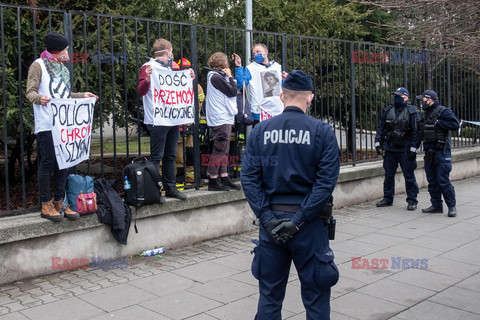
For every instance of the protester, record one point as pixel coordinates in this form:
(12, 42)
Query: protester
(290, 169)
(221, 108)
(262, 78)
(48, 78)
(163, 139)
(398, 139)
(436, 125)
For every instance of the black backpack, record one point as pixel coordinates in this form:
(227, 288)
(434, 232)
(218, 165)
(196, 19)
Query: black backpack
(145, 184)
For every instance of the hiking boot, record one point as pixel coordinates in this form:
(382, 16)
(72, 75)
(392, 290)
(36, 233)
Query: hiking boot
(49, 212)
(227, 182)
(174, 193)
(214, 185)
(62, 206)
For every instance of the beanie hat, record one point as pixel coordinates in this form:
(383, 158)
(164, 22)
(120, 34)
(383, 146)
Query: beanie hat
(55, 42)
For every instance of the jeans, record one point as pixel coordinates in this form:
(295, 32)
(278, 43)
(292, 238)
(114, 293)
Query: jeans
(221, 146)
(47, 165)
(163, 147)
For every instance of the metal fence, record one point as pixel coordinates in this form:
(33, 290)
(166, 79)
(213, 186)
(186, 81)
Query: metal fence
(353, 82)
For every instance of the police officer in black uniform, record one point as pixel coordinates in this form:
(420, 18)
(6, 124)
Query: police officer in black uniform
(290, 168)
(437, 123)
(398, 139)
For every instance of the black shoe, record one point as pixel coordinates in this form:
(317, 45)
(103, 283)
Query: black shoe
(174, 193)
(227, 182)
(432, 209)
(412, 207)
(452, 212)
(384, 203)
(214, 185)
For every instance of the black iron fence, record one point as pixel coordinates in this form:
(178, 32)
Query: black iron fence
(353, 82)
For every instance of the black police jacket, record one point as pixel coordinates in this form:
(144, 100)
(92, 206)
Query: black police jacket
(445, 120)
(412, 138)
(290, 159)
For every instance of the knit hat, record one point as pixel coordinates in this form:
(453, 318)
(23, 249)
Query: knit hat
(55, 42)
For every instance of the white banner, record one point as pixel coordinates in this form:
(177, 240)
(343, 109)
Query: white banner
(71, 129)
(173, 101)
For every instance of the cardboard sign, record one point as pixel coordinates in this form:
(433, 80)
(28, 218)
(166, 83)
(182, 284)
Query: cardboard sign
(173, 99)
(71, 129)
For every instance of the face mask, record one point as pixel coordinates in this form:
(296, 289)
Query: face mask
(258, 58)
(398, 100)
(425, 104)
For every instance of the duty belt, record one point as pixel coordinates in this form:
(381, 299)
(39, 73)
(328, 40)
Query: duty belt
(285, 207)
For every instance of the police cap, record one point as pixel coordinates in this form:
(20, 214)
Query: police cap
(298, 80)
(430, 94)
(402, 92)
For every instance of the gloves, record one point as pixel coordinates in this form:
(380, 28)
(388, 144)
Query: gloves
(272, 224)
(380, 151)
(411, 156)
(284, 231)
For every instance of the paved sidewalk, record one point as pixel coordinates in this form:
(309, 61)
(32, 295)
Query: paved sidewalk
(212, 280)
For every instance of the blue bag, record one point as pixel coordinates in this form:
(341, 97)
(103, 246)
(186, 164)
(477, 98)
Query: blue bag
(77, 184)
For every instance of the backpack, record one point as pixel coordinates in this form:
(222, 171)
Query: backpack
(80, 195)
(142, 183)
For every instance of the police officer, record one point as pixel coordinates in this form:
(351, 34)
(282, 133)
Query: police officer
(289, 171)
(397, 139)
(437, 123)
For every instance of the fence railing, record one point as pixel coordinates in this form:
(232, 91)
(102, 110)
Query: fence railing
(353, 83)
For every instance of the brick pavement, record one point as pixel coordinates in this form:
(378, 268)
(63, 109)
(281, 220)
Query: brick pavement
(212, 280)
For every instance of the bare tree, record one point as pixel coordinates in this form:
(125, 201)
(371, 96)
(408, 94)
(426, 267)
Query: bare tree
(452, 25)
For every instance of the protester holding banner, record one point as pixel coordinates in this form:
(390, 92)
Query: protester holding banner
(263, 91)
(48, 79)
(221, 107)
(168, 103)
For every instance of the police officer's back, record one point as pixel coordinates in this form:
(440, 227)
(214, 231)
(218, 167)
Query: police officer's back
(289, 172)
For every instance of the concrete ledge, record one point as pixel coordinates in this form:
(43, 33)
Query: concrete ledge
(28, 242)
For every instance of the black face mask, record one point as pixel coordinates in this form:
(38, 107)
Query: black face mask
(424, 104)
(398, 100)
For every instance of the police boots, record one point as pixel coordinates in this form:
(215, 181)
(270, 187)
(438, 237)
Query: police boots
(215, 185)
(452, 212)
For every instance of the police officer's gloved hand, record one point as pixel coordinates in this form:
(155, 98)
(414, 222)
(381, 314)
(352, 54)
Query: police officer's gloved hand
(284, 231)
(272, 224)
(412, 156)
(380, 151)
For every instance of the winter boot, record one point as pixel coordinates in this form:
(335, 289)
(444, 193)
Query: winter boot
(227, 182)
(214, 185)
(49, 212)
(60, 206)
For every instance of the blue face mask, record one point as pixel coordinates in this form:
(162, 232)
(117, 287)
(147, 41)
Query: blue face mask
(398, 100)
(258, 58)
